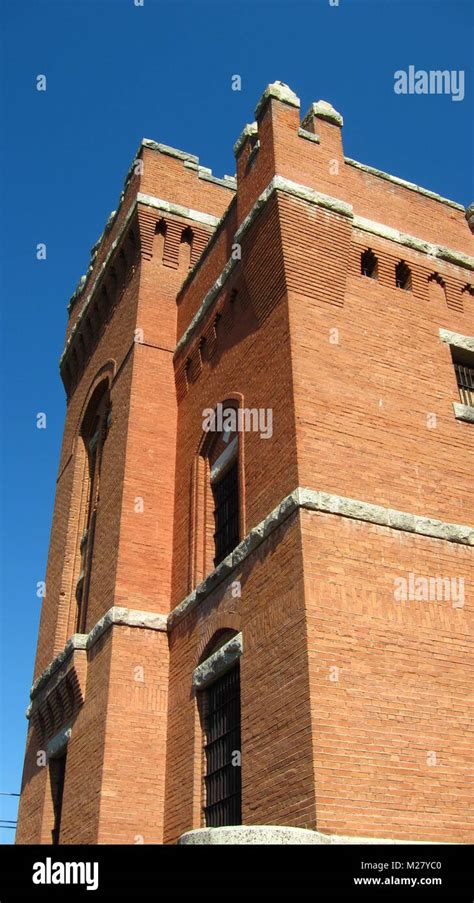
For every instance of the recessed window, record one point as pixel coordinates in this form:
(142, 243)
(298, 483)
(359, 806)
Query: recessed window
(226, 512)
(94, 433)
(222, 750)
(57, 774)
(369, 264)
(403, 276)
(463, 362)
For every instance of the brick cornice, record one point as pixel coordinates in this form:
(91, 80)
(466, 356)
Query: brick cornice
(334, 205)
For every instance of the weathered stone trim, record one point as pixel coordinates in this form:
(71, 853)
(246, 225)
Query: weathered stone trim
(149, 201)
(248, 130)
(329, 504)
(190, 162)
(77, 641)
(310, 499)
(59, 742)
(279, 91)
(169, 151)
(127, 617)
(458, 258)
(218, 663)
(324, 110)
(403, 183)
(458, 341)
(177, 209)
(335, 205)
(97, 280)
(463, 412)
(278, 834)
(309, 136)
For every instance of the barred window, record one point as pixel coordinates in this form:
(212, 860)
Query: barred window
(93, 432)
(464, 369)
(226, 513)
(222, 750)
(57, 774)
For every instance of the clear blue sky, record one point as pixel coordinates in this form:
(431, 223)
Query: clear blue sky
(116, 73)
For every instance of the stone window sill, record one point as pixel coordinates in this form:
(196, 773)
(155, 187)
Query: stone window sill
(463, 412)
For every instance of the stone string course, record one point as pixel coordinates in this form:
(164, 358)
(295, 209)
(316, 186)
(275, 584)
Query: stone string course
(335, 205)
(310, 499)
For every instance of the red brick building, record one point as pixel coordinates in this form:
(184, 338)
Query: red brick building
(268, 623)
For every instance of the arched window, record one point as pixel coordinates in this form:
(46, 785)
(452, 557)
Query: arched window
(369, 264)
(93, 434)
(223, 459)
(436, 288)
(217, 680)
(403, 276)
(185, 248)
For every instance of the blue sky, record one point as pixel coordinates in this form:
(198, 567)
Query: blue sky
(117, 72)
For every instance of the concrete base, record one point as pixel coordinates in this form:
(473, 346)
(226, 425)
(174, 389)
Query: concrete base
(276, 834)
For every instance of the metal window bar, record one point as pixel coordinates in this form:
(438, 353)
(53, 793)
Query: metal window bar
(223, 779)
(226, 514)
(465, 381)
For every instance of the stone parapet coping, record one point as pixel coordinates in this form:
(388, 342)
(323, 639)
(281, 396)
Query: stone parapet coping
(218, 663)
(312, 500)
(335, 205)
(278, 834)
(324, 110)
(278, 91)
(403, 183)
(458, 258)
(149, 201)
(188, 159)
(458, 341)
(248, 130)
(310, 136)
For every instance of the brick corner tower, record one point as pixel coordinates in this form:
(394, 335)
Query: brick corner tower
(260, 577)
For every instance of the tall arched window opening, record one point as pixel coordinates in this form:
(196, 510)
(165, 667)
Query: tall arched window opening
(93, 434)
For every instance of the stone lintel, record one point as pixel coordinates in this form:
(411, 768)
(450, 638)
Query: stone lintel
(58, 743)
(218, 663)
(458, 341)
